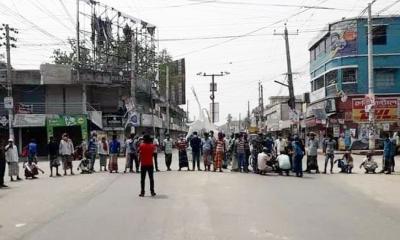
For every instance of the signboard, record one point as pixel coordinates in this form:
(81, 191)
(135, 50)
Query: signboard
(29, 120)
(317, 95)
(8, 103)
(66, 121)
(386, 109)
(24, 108)
(336, 131)
(133, 119)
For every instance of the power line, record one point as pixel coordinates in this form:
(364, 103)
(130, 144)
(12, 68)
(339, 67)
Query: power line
(43, 31)
(246, 34)
(388, 7)
(67, 12)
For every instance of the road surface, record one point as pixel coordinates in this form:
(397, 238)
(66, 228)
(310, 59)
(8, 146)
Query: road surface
(199, 205)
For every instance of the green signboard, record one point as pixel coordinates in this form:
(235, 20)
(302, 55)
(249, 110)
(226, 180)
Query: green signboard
(65, 121)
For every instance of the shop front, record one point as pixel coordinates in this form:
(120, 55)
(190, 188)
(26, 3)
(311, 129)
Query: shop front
(76, 126)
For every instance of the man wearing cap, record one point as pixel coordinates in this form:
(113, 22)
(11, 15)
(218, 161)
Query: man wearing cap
(12, 159)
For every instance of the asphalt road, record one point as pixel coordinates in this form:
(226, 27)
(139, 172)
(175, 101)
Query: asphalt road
(198, 205)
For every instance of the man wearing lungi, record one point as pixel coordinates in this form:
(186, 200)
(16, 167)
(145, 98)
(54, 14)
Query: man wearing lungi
(66, 150)
(12, 159)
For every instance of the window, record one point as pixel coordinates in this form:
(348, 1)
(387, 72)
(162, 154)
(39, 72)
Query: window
(384, 78)
(319, 83)
(349, 75)
(331, 78)
(379, 35)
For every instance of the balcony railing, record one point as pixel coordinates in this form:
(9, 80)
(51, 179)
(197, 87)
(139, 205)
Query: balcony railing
(48, 108)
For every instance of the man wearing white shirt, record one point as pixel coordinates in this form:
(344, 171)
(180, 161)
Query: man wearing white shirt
(156, 144)
(280, 145)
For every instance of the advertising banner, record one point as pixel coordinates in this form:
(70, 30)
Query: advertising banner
(386, 109)
(65, 121)
(343, 40)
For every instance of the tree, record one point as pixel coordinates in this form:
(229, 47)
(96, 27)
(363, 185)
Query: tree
(69, 57)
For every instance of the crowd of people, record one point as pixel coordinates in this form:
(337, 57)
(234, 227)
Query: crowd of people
(261, 154)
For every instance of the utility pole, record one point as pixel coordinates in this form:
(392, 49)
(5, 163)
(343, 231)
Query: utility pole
(371, 115)
(9, 45)
(78, 60)
(260, 104)
(167, 97)
(292, 98)
(187, 110)
(213, 90)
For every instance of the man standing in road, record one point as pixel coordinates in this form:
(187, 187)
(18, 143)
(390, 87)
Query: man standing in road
(66, 150)
(146, 150)
(195, 144)
(168, 151)
(92, 151)
(298, 154)
(280, 145)
(12, 159)
(32, 151)
(2, 164)
(241, 154)
(52, 149)
(130, 153)
(387, 155)
(329, 150)
(156, 144)
(312, 154)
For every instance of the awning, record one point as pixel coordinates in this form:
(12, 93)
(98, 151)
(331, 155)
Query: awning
(29, 120)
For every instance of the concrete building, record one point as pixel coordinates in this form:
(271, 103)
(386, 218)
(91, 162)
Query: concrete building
(51, 101)
(278, 117)
(339, 77)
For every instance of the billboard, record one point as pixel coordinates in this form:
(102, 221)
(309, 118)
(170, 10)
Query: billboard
(385, 109)
(177, 81)
(343, 39)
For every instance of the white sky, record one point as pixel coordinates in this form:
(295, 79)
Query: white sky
(248, 59)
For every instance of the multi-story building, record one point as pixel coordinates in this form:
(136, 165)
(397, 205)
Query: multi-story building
(339, 77)
(279, 119)
(51, 101)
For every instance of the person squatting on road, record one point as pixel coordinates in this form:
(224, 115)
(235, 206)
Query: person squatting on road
(195, 144)
(329, 147)
(207, 151)
(103, 151)
(220, 150)
(66, 150)
(168, 144)
(346, 163)
(146, 150)
(263, 160)
(369, 164)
